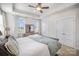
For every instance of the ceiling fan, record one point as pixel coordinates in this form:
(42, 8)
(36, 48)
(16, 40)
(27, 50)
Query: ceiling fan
(39, 7)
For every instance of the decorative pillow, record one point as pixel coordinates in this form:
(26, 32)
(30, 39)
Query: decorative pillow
(2, 37)
(12, 46)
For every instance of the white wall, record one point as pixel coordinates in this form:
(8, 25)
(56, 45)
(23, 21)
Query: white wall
(49, 26)
(11, 22)
(44, 26)
(49, 23)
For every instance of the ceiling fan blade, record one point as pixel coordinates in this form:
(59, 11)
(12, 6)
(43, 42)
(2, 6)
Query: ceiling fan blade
(31, 6)
(39, 3)
(41, 11)
(45, 7)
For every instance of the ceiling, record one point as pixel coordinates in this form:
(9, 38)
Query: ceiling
(22, 8)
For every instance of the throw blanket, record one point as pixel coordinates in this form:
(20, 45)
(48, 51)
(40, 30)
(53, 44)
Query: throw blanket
(53, 45)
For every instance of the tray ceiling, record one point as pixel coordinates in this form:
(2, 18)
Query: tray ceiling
(23, 8)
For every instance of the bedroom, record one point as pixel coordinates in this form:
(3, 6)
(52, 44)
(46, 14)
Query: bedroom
(38, 26)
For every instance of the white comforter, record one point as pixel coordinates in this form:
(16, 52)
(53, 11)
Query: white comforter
(29, 47)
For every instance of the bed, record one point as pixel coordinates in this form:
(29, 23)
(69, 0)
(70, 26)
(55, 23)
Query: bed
(53, 44)
(29, 47)
(33, 45)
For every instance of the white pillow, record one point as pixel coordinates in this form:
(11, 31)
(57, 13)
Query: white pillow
(35, 35)
(2, 37)
(11, 46)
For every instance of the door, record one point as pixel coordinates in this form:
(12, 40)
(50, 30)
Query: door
(65, 31)
(59, 31)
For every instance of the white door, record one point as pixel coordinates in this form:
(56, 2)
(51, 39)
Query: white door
(65, 31)
(59, 31)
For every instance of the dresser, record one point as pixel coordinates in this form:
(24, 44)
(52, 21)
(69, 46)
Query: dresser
(28, 33)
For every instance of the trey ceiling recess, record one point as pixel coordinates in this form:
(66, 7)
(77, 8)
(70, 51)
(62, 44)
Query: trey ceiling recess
(24, 10)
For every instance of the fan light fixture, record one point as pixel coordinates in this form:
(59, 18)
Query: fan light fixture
(38, 8)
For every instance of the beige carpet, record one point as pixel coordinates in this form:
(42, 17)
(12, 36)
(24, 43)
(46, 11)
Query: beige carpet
(66, 51)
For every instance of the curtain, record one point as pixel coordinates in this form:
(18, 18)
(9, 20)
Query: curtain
(4, 20)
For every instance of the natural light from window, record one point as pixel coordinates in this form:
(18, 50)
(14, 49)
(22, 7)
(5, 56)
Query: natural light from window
(1, 24)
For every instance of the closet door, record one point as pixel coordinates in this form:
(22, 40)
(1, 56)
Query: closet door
(65, 31)
(59, 30)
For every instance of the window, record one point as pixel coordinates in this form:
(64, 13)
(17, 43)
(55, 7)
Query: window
(21, 25)
(36, 24)
(1, 24)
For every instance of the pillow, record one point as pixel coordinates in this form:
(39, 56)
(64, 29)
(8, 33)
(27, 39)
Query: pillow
(34, 36)
(2, 37)
(12, 37)
(12, 46)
